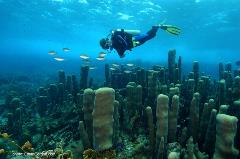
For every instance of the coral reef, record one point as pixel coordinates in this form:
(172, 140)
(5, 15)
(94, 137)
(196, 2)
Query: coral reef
(136, 113)
(151, 129)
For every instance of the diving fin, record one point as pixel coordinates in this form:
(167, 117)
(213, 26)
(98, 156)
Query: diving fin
(171, 29)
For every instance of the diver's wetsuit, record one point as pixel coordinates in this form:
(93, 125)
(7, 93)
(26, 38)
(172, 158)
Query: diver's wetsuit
(122, 41)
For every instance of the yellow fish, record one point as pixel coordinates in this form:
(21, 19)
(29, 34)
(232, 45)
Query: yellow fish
(130, 64)
(66, 49)
(127, 71)
(115, 65)
(102, 54)
(100, 58)
(52, 52)
(84, 56)
(92, 68)
(59, 59)
(113, 69)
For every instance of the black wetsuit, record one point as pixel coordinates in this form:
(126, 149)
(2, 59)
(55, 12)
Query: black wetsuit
(122, 41)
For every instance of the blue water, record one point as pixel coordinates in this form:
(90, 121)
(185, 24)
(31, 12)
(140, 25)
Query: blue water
(31, 28)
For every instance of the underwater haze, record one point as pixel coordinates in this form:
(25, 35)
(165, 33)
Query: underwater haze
(30, 29)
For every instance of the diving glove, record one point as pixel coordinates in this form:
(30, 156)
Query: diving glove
(170, 29)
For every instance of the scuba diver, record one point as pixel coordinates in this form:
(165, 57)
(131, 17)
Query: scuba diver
(122, 40)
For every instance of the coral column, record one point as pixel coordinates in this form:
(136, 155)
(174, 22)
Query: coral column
(103, 118)
(84, 77)
(225, 132)
(173, 116)
(162, 115)
(171, 65)
(162, 120)
(88, 104)
(107, 75)
(150, 128)
(62, 77)
(194, 117)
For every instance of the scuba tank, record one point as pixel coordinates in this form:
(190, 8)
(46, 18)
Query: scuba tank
(133, 32)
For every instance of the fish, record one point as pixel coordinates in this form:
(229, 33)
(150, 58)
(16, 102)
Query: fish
(115, 65)
(84, 56)
(100, 58)
(237, 63)
(130, 64)
(113, 69)
(127, 71)
(52, 52)
(5, 135)
(92, 68)
(66, 49)
(102, 54)
(59, 59)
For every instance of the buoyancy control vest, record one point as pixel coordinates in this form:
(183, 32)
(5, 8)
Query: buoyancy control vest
(121, 41)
